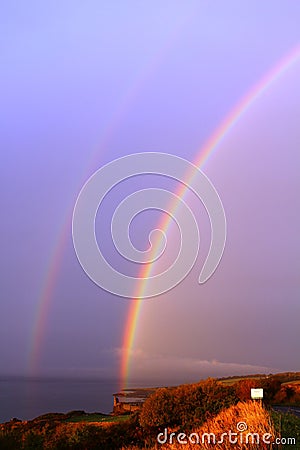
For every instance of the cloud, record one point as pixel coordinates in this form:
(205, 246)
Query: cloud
(174, 369)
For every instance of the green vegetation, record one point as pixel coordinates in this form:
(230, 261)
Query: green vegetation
(287, 426)
(96, 417)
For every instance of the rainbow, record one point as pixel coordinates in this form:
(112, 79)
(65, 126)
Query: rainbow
(209, 148)
(46, 295)
(50, 280)
(55, 260)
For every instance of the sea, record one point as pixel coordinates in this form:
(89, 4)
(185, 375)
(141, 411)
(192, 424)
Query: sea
(27, 398)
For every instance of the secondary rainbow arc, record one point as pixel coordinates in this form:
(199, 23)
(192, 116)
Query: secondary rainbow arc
(55, 260)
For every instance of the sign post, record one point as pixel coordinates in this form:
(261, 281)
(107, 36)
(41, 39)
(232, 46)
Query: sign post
(257, 393)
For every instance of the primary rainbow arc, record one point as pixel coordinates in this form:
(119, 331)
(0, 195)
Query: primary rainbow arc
(203, 155)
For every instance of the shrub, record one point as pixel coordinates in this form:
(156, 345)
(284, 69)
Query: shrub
(159, 409)
(187, 405)
(243, 388)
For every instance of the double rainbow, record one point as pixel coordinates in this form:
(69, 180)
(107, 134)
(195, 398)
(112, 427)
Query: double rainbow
(135, 307)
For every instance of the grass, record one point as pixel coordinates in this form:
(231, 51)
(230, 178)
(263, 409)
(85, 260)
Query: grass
(256, 417)
(253, 414)
(96, 417)
(231, 381)
(287, 425)
(80, 417)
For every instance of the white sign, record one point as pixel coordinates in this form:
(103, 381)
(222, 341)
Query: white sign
(257, 393)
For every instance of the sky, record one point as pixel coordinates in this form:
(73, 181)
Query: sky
(84, 83)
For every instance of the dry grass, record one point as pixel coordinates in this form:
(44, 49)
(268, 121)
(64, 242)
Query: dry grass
(234, 380)
(297, 382)
(252, 413)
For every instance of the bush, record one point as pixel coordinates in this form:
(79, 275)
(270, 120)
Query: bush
(159, 409)
(271, 386)
(243, 388)
(187, 405)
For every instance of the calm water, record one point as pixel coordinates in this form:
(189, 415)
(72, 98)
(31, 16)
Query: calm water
(27, 398)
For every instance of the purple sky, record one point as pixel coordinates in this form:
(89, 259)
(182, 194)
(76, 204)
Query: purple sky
(87, 82)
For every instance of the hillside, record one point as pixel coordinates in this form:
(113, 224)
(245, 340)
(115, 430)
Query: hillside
(211, 405)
